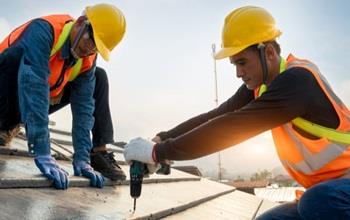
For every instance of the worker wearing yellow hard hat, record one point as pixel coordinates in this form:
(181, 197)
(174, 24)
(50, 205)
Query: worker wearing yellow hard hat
(244, 27)
(51, 62)
(290, 97)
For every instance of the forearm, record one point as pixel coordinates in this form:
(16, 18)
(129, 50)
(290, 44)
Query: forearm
(217, 134)
(33, 93)
(82, 105)
(230, 129)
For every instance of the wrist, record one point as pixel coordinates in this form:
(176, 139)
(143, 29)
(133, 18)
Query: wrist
(154, 156)
(44, 156)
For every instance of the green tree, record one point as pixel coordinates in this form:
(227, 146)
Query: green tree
(261, 175)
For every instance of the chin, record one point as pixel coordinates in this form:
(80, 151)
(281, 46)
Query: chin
(83, 55)
(250, 87)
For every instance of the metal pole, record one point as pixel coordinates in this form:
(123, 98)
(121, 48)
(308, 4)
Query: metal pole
(216, 100)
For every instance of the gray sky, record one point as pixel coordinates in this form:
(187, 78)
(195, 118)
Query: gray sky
(162, 72)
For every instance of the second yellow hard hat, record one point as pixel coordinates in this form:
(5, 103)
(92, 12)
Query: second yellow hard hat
(244, 27)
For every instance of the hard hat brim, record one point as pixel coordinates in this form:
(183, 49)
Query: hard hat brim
(227, 52)
(101, 48)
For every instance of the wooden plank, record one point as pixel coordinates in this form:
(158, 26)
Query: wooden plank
(235, 205)
(18, 172)
(266, 205)
(106, 203)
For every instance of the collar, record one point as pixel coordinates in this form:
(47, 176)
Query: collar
(283, 65)
(66, 54)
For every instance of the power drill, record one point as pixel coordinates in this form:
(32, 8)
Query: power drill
(139, 170)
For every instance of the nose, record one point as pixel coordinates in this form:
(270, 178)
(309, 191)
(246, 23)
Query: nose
(239, 72)
(91, 45)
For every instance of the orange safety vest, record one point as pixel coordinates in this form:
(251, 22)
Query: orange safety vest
(57, 79)
(313, 161)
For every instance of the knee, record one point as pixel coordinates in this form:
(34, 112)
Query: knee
(308, 203)
(324, 201)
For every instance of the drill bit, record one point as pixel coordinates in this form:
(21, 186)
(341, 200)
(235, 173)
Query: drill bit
(134, 204)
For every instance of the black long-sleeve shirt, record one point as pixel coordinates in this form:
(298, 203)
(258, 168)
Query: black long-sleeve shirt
(294, 93)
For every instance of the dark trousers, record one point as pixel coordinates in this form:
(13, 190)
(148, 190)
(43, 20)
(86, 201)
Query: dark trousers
(9, 107)
(323, 201)
(102, 132)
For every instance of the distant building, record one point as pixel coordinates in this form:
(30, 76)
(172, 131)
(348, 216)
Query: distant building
(248, 186)
(280, 194)
(284, 180)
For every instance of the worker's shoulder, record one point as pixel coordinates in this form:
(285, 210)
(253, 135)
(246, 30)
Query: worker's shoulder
(296, 74)
(297, 71)
(292, 78)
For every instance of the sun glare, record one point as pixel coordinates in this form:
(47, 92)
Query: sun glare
(258, 149)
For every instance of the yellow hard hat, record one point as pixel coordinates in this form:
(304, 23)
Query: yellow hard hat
(108, 25)
(244, 27)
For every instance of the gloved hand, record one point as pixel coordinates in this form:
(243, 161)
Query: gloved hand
(84, 168)
(47, 165)
(139, 149)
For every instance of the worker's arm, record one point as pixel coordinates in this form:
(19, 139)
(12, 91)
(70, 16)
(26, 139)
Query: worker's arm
(33, 87)
(288, 97)
(33, 94)
(237, 101)
(83, 105)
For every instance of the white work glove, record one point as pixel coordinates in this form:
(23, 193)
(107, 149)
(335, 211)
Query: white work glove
(141, 149)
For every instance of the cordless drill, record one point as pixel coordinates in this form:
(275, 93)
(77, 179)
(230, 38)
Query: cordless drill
(139, 170)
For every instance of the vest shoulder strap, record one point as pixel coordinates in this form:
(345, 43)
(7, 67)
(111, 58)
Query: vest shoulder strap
(62, 38)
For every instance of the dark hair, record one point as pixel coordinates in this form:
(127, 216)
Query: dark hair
(276, 46)
(273, 43)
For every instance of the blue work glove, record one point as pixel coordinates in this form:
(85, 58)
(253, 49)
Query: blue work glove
(48, 166)
(84, 168)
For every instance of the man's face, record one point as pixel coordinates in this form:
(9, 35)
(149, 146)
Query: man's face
(248, 67)
(86, 45)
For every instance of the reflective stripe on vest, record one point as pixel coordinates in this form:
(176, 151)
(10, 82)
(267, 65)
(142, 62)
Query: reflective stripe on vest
(61, 40)
(305, 125)
(312, 161)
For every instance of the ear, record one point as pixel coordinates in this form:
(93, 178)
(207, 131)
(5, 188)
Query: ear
(270, 52)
